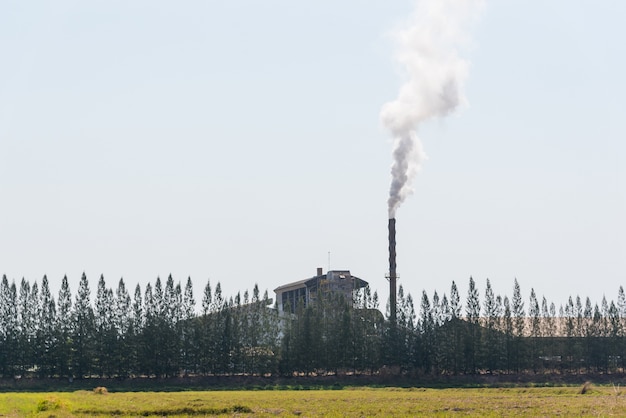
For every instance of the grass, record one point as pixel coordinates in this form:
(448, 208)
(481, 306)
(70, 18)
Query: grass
(350, 402)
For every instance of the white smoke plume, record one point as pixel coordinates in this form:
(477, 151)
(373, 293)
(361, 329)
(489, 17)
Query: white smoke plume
(427, 49)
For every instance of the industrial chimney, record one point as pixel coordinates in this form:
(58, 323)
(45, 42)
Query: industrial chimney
(392, 270)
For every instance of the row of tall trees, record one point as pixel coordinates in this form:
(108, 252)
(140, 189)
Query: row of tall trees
(502, 334)
(161, 331)
(157, 332)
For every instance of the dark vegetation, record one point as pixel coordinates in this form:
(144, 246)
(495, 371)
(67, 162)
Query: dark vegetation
(306, 383)
(125, 342)
(184, 410)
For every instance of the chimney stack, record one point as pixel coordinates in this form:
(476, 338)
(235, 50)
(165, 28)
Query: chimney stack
(392, 270)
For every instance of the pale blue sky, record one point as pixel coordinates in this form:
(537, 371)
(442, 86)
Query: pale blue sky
(240, 141)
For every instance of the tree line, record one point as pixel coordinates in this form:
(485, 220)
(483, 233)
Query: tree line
(505, 335)
(159, 331)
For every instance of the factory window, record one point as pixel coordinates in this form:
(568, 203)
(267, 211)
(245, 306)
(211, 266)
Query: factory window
(291, 299)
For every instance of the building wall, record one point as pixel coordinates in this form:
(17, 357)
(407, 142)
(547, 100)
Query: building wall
(307, 291)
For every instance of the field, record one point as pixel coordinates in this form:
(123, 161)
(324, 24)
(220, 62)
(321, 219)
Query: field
(350, 402)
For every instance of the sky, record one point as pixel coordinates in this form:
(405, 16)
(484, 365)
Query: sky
(240, 142)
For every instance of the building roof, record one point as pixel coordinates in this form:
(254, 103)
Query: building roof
(312, 280)
(299, 283)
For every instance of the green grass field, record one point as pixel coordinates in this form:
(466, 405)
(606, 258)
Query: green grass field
(352, 402)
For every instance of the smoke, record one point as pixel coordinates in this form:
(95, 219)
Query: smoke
(427, 49)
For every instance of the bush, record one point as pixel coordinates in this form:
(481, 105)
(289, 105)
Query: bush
(48, 405)
(100, 390)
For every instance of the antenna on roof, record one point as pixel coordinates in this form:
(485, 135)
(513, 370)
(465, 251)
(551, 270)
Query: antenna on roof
(328, 261)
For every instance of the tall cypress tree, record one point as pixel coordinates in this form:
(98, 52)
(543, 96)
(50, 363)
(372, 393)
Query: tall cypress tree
(570, 324)
(544, 318)
(621, 310)
(472, 339)
(234, 338)
(8, 327)
(604, 327)
(407, 329)
(36, 314)
(26, 320)
(270, 335)
(444, 336)
(508, 332)
(207, 299)
(252, 329)
(519, 315)
(168, 327)
(189, 350)
(614, 336)
(534, 314)
(46, 340)
(553, 329)
(519, 318)
(588, 333)
(122, 325)
(136, 333)
(535, 328)
(205, 334)
(65, 329)
(150, 340)
(599, 348)
(83, 330)
(438, 316)
(588, 316)
(580, 322)
(456, 329)
(426, 347)
(105, 332)
(615, 327)
(220, 329)
(439, 310)
(171, 306)
(570, 352)
(489, 348)
(4, 290)
(446, 312)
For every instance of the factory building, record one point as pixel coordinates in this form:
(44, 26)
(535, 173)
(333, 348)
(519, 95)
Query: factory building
(307, 291)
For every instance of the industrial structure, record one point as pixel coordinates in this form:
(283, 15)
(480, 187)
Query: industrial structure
(393, 275)
(307, 291)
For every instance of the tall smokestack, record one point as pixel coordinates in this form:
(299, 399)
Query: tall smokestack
(392, 270)
(428, 49)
